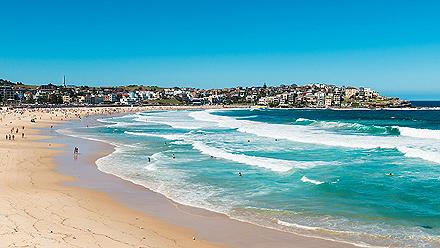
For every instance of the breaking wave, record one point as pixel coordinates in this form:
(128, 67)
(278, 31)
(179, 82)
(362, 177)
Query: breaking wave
(305, 179)
(410, 147)
(369, 129)
(273, 164)
(419, 133)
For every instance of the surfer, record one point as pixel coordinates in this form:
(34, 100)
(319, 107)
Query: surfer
(174, 156)
(239, 174)
(390, 174)
(149, 159)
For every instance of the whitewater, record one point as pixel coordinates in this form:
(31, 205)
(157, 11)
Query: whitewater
(428, 149)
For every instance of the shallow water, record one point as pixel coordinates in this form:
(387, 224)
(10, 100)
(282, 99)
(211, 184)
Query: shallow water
(316, 172)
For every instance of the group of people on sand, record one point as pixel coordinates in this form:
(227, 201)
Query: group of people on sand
(13, 131)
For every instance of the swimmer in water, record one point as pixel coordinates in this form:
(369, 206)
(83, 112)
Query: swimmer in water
(390, 174)
(174, 156)
(239, 174)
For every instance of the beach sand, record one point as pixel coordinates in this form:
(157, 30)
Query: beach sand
(40, 207)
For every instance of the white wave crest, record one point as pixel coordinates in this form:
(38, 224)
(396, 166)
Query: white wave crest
(348, 126)
(308, 180)
(277, 165)
(417, 148)
(419, 133)
(174, 119)
(164, 136)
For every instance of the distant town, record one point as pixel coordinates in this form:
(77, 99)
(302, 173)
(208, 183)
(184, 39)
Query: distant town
(315, 95)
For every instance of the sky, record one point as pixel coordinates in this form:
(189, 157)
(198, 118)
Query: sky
(391, 46)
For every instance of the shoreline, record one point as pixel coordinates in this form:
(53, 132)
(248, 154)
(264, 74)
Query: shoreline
(179, 212)
(38, 210)
(41, 206)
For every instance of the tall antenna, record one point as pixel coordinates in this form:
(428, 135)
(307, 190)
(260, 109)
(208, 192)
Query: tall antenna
(64, 81)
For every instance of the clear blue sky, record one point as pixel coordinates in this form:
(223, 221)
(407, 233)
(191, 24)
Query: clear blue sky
(392, 46)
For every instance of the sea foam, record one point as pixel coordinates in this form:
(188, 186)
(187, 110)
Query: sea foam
(278, 165)
(308, 180)
(419, 133)
(163, 136)
(357, 127)
(424, 149)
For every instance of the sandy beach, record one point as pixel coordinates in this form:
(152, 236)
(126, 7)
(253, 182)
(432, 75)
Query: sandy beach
(41, 207)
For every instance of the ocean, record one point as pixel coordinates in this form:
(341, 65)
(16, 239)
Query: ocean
(367, 177)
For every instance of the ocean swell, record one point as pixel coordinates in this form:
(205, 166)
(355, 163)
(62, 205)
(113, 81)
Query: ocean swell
(356, 127)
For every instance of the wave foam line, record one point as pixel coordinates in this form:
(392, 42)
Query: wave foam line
(302, 134)
(178, 120)
(164, 136)
(305, 179)
(288, 224)
(277, 165)
(417, 148)
(349, 126)
(263, 162)
(419, 133)
(312, 228)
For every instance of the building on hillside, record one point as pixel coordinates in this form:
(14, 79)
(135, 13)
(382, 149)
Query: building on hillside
(351, 92)
(328, 100)
(66, 99)
(110, 98)
(336, 100)
(320, 99)
(7, 94)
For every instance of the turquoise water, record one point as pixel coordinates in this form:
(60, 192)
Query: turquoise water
(318, 173)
